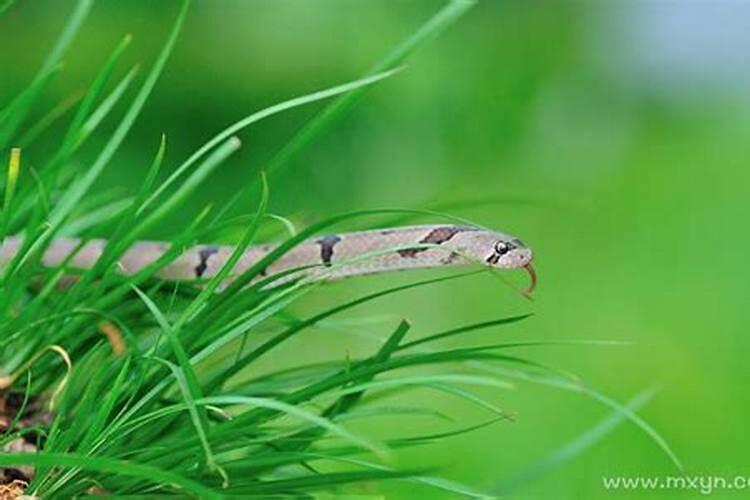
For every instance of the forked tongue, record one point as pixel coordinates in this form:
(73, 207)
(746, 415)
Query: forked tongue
(532, 276)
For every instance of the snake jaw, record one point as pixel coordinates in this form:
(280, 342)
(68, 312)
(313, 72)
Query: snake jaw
(532, 275)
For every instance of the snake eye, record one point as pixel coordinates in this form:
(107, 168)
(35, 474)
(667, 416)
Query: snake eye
(501, 248)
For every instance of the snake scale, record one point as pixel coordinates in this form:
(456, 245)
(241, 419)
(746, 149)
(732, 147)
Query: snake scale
(328, 257)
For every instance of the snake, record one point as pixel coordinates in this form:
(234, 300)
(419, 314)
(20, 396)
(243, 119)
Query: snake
(329, 257)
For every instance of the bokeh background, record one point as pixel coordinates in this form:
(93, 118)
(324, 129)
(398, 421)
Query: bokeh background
(615, 135)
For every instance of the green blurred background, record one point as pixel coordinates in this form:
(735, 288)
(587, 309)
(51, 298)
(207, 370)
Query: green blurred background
(616, 131)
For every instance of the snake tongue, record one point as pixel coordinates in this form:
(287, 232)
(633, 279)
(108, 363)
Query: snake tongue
(532, 275)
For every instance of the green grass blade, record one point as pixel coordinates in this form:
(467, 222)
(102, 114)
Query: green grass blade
(218, 156)
(95, 89)
(573, 448)
(426, 380)
(260, 115)
(74, 194)
(4, 6)
(119, 239)
(85, 129)
(67, 36)
(338, 108)
(348, 398)
(48, 120)
(574, 385)
(186, 378)
(14, 167)
(465, 329)
(95, 217)
(228, 266)
(19, 108)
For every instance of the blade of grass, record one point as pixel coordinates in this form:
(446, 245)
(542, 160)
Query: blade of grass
(348, 399)
(187, 381)
(260, 115)
(48, 119)
(16, 112)
(573, 448)
(119, 240)
(421, 380)
(465, 329)
(95, 217)
(93, 92)
(228, 266)
(574, 385)
(450, 13)
(81, 133)
(14, 167)
(74, 194)
(4, 6)
(217, 157)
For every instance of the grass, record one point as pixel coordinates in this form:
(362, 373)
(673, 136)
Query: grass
(129, 385)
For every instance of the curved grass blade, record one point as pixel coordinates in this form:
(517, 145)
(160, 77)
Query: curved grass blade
(73, 135)
(187, 380)
(48, 119)
(465, 329)
(74, 194)
(338, 108)
(349, 399)
(84, 131)
(573, 385)
(14, 167)
(427, 380)
(76, 135)
(7, 4)
(260, 115)
(120, 240)
(228, 266)
(573, 448)
(12, 116)
(218, 156)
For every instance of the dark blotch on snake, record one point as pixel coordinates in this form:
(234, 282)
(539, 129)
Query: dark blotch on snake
(326, 248)
(203, 255)
(436, 237)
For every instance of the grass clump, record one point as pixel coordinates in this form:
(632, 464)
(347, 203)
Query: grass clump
(129, 385)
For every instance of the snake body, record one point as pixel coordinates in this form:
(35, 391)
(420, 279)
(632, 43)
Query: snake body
(328, 257)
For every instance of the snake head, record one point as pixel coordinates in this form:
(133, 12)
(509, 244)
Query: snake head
(512, 253)
(509, 253)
